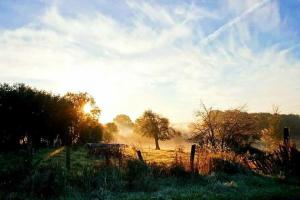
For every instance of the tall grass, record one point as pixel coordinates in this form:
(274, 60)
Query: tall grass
(220, 176)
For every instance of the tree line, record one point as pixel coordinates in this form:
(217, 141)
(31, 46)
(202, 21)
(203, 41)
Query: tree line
(238, 130)
(38, 118)
(32, 117)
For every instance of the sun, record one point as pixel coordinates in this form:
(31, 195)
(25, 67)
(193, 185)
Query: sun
(87, 108)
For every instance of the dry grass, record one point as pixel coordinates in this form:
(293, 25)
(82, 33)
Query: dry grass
(204, 161)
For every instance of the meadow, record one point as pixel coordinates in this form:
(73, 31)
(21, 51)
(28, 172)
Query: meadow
(164, 175)
(54, 147)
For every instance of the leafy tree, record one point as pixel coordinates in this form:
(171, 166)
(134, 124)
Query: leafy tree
(36, 118)
(91, 132)
(271, 132)
(123, 121)
(237, 129)
(110, 129)
(85, 122)
(32, 116)
(154, 126)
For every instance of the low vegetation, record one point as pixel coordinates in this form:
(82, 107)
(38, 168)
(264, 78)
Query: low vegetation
(165, 174)
(54, 147)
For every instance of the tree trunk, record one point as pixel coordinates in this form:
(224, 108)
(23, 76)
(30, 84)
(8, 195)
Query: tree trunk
(156, 144)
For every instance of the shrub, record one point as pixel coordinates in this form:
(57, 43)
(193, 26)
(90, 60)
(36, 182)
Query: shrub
(226, 166)
(294, 162)
(139, 176)
(284, 161)
(178, 170)
(159, 170)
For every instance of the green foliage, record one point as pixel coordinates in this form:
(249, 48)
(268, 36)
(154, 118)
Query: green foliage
(36, 118)
(110, 129)
(91, 133)
(90, 179)
(86, 127)
(83, 179)
(159, 170)
(47, 181)
(32, 116)
(110, 178)
(79, 100)
(14, 169)
(276, 122)
(178, 170)
(139, 176)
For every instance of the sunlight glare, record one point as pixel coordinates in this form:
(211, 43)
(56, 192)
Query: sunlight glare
(87, 108)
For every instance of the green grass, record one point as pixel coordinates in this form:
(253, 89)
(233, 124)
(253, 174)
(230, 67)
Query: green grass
(237, 187)
(112, 183)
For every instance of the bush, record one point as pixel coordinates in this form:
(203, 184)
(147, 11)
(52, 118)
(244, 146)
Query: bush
(294, 163)
(159, 170)
(178, 170)
(284, 161)
(139, 176)
(226, 166)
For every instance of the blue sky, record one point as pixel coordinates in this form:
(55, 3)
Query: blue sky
(159, 54)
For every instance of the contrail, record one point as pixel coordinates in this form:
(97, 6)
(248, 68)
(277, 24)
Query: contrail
(232, 22)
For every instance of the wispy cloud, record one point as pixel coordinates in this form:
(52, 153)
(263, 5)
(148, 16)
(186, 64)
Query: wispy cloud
(234, 21)
(154, 60)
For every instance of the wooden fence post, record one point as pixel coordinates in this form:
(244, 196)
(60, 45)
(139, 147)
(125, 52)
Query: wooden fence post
(192, 157)
(286, 148)
(139, 154)
(68, 147)
(68, 162)
(286, 136)
(107, 159)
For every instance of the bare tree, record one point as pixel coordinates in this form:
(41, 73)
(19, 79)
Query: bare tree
(229, 129)
(204, 130)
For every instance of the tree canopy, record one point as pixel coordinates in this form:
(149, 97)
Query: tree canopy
(154, 126)
(38, 118)
(110, 129)
(86, 125)
(237, 129)
(123, 121)
(232, 129)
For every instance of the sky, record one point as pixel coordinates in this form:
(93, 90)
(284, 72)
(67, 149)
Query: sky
(164, 55)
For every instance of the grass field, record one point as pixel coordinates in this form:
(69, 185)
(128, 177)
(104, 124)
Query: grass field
(148, 186)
